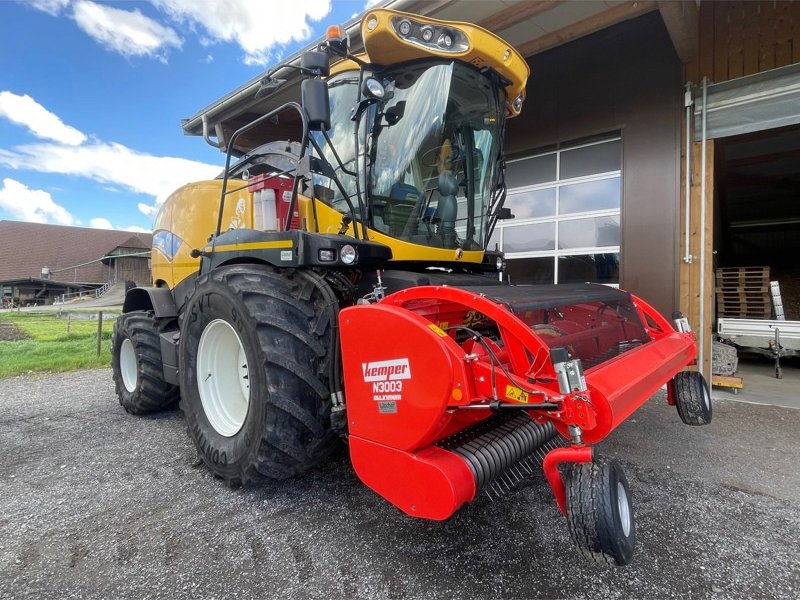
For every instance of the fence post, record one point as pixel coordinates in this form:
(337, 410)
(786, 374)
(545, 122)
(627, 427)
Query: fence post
(69, 318)
(99, 330)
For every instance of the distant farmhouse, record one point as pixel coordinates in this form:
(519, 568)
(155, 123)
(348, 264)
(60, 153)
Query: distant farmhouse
(42, 263)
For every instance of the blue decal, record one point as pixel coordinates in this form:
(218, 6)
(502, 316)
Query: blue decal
(167, 243)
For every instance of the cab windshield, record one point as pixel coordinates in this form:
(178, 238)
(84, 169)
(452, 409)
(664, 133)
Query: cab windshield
(433, 148)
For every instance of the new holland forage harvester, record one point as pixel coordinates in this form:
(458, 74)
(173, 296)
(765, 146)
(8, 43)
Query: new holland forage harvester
(331, 285)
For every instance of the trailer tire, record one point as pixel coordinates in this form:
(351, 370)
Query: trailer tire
(264, 335)
(136, 364)
(692, 398)
(599, 512)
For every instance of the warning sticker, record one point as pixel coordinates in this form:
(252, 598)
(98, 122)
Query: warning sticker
(516, 394)
(437, 330)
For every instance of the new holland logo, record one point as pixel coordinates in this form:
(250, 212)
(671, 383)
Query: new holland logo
(386, 370)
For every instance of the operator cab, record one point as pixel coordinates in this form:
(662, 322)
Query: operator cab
(428, 149)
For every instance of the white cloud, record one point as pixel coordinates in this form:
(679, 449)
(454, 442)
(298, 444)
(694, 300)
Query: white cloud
(258, 26)
(51, 7)
(111, 163)
(25, 111)
(370, 3)
(36, 206)
(128, 32)
(103, 223)
(100, 223)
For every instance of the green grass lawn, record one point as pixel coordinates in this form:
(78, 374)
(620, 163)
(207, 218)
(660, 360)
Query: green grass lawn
(53, 344)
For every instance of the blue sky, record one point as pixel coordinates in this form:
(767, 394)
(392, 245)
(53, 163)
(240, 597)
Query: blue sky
(92, 94)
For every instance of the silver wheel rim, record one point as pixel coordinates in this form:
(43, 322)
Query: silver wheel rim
(624, 508)
(222, 377)
(127, 365)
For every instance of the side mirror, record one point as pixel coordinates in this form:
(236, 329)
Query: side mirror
(315, 63)
(314, 94)
(504, 214)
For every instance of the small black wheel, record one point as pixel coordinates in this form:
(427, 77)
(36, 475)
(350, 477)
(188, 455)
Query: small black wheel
(692, 398)
(600, 513)
(136, 364)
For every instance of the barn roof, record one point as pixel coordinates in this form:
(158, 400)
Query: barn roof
(28, 247)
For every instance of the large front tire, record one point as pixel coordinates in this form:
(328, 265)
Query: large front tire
(254, 359)
(137, 366)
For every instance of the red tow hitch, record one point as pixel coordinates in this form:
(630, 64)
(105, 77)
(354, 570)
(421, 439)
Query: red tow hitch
(454, 391)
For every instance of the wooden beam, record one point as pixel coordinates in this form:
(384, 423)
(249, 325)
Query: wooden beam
(618, 14)
(683, 25)
(514, 15)
(427, 8)
(690, 273)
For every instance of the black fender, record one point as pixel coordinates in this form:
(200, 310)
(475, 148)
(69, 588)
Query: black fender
(157, 299)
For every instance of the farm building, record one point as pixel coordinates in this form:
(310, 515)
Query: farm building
(43, 262)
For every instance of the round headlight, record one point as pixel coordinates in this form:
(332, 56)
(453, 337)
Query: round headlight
(446, 41)
(427, 34)
(348, 254)
(373, 88)
(372, 22)
(404, 28)
(499, 263)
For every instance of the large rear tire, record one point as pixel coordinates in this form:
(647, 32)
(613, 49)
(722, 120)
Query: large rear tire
(600, 513)
(136, 364)
(254, 364)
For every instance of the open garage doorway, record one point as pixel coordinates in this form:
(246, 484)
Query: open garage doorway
(757, 240)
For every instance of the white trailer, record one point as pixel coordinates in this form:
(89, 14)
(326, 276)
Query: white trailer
(774, 339)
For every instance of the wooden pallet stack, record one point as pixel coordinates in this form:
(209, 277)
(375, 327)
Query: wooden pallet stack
(743, 292)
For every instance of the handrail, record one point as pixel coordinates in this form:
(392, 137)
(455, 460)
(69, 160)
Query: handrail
(231, 145)
(95, 293)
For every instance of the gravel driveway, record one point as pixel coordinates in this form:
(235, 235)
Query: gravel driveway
(95, 503)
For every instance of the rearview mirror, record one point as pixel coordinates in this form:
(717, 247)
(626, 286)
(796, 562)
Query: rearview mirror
(503, 214)
(315, 63)
(314, 94)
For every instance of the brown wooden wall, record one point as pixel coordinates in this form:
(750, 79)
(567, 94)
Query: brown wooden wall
(743, 38)
(133, 268)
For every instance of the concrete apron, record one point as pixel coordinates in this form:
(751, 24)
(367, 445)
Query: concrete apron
(760, 385)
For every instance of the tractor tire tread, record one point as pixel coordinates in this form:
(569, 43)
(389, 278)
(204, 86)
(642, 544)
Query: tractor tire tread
(582, 506)
(281, 306)
(153, 394)
(690, 388)
(590, 515)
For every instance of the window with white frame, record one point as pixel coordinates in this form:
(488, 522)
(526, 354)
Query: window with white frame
(566, 204)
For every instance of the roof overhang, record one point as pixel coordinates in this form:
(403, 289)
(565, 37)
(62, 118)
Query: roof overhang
(530, 26)
(49, 283)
